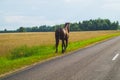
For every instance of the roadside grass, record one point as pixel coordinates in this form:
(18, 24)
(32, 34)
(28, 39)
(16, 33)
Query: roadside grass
(84, 43)
(27, 55)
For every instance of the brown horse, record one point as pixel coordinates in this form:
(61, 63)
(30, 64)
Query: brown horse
(62, 34)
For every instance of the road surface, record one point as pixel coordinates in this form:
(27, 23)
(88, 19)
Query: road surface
(98, 62)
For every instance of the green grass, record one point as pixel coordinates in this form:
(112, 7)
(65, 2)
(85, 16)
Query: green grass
(24, 55)
(84, 43)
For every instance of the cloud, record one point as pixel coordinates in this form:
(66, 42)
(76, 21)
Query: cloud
(30, 20)
(50, 12)
(73, 1)
(68, 1)
(112, 5)
(13, 19)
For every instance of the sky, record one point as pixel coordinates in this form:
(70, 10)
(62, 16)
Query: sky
(28, 13)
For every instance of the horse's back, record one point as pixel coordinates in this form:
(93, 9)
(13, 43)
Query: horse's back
(59, 33)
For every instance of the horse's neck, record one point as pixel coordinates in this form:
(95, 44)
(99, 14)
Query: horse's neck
(65, 30)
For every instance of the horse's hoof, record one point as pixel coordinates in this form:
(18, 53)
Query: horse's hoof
(63, 51)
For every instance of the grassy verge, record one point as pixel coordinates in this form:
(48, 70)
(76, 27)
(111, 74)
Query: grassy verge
(24, 55)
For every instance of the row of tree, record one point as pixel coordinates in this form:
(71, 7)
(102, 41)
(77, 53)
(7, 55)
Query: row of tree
(88, 25)
(43, 28)
(97, 24)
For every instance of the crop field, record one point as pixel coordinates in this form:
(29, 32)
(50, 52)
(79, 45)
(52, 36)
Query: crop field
(13, 40)
(20, 49)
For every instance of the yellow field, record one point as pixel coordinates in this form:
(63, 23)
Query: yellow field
(12, 40)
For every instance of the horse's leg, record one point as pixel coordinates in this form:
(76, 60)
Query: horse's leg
(63, 46)
(66, 44)
(57, 43)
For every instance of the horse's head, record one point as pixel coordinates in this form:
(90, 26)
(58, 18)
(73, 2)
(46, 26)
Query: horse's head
(67, 26)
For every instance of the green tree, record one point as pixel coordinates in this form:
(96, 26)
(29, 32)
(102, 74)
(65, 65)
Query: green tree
(74, 27)
(5, 30)
(21, 29)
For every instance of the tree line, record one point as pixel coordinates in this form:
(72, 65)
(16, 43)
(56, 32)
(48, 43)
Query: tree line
(88, 25)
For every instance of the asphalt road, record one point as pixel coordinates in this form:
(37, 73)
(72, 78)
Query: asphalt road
(98, 62)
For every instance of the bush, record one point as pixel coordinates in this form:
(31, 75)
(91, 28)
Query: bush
(23, 51)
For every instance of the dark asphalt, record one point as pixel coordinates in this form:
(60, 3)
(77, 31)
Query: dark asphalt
(92, 63)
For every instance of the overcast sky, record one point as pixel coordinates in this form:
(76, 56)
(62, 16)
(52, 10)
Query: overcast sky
(17, 13)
